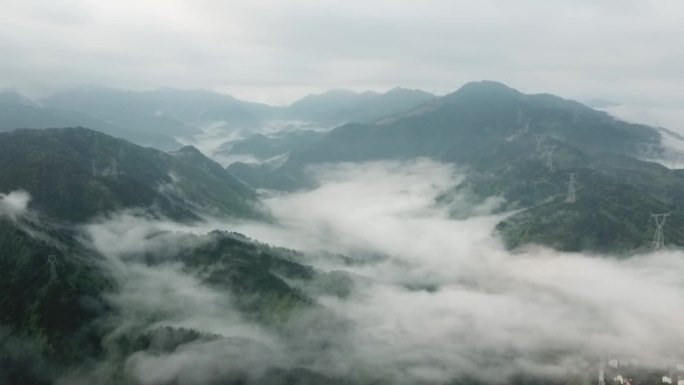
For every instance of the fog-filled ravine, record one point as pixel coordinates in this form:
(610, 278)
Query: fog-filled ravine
(399, 291)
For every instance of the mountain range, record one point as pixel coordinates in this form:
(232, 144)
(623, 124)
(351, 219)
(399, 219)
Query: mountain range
(158, 118)
(57, 295)
(74, 174)
(522, 148)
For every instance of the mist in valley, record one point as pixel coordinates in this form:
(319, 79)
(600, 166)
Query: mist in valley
(341, 193)
(421, 296)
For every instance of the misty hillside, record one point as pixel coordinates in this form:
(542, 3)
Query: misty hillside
(263, 147)
(502, 136)
(163, 111)
(64, 318)
(177, 112)
(309, 118)
(480, 120)
(164, 117)
(75, 174)
(18, 112)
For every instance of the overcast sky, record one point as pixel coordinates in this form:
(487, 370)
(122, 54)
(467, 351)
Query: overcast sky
(275, 51)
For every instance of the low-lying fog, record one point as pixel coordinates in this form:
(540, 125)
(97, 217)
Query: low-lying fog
(217, 138)
(672, 139)
(435, 298)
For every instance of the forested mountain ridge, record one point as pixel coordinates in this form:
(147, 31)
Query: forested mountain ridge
(60, 317)
(165, 117)
(523, 148)
(75, 173)
(52, 299)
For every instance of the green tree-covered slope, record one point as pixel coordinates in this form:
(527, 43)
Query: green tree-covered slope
(75, 174)
(502, 137)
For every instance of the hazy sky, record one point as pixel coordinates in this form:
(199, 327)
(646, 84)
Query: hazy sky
(275, 51)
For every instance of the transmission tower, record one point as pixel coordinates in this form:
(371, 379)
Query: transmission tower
(572, 193)
(539, 140)
(52, 261)
(659, 239)
(548, 152)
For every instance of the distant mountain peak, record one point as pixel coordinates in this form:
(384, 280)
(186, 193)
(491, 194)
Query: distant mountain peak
(189, 150)
(487, 88)
(339, 91)
(370, 93)
(407, 91)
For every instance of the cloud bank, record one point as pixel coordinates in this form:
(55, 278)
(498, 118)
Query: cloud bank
(14, 204)
(433, 298)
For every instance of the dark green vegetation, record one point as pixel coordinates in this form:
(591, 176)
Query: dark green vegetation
(259, 275)
(64, 326)
(492, 130)
(74, 174)
(47, 325)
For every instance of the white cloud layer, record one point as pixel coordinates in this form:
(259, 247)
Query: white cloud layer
(14, 204)
(438, 297)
